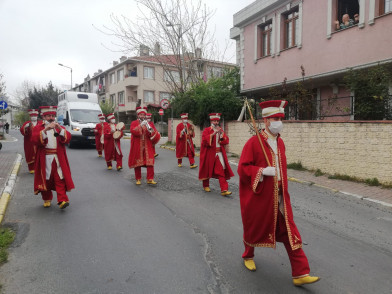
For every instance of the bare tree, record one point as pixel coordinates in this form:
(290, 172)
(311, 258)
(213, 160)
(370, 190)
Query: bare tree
(177, 30)
(22, 93)
(2, 85)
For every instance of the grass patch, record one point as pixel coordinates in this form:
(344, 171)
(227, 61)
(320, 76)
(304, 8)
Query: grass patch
(169, 143)
(344, 178)
(296, 166)
(318, 173)
(372, 182)
(7, 236)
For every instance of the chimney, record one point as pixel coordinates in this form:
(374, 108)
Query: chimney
(157, 49)
(115, 63)
(198, 53)
(123, 58)
(144, 50)
(99, 71)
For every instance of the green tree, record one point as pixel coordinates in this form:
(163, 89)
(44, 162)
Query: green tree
(216, 95)
(370, 87)
(21, 117)
(44, 96)
(106, 107)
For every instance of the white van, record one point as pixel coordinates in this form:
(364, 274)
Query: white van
(78, 113)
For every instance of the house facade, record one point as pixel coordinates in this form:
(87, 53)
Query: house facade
(285, 42)
(145, 80)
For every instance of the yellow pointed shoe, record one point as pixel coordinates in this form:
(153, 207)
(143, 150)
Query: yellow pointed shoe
(31, 171)
(119, 168)
(138, 182)
(250, 264)
(47, 203)
(193, 165)
(225, 193)
(99, 155)
(179, 165)
(109, 167)
(305, 280)
(156, 154)
(207, 189)
(63, 204)
(151, 182)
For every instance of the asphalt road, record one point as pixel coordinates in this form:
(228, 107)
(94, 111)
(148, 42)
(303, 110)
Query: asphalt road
(116, 237)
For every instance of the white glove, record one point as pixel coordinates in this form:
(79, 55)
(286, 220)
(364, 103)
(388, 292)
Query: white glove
(144, 122)
(269, 171)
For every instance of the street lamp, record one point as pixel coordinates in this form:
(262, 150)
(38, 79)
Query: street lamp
(70, 69)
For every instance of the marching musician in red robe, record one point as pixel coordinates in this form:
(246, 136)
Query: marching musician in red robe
(265, 202)
(213, 158)
(112, 144)
(27, 132)
(52, 171)
(148, 117)
(98, 132)
(184, 143)
(143, 138)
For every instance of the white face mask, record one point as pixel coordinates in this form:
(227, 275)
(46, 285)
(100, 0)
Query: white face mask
(113, 121)
(276, 127)
(33, 118)
(184, 121)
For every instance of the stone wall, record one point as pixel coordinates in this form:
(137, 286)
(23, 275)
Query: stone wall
(357, 149)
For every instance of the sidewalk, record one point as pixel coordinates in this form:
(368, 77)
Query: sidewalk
(358, 190)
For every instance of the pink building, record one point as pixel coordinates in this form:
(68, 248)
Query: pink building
(276, 37)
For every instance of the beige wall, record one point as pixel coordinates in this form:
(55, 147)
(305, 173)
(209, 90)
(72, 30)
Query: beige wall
(357, 149)
(196, 140)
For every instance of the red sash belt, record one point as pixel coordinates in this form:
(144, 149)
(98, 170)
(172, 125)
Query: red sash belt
(50, 151)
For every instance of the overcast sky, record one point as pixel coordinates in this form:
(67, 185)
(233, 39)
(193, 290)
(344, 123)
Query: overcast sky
(36, 35)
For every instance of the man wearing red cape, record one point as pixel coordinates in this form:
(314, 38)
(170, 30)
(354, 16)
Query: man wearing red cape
(185, 132)
(213, 158)
(112, 144)
(52, 171)
(143, 138)
(27, 132)
(98, 132)
(266, 211)
(148, 117)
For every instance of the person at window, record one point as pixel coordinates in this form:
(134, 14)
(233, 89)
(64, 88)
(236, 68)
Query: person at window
(356, 18)
(346, 22)
(133, 72)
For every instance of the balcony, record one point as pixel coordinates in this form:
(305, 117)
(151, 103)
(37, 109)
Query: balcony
(131, 81)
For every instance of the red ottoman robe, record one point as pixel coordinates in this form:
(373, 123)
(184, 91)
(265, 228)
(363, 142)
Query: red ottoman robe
(208, 154)
(29, 147)
(111, 152)
(259, 200)
(142, 145)
(98, 132)
(182, 144)
(40, 163)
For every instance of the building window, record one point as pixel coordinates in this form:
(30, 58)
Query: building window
(148, 96)
(165, 95)
(149, 72)
(121, 99)
(216, 72)
(350, 7)
(385, 6)
(264, 39)
(171, 76)
(291, 28)
(112, 78)
(113, 99)
(120, 75)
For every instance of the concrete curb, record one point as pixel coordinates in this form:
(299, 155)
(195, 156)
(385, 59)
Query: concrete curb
(9, 187)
